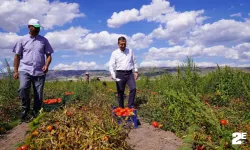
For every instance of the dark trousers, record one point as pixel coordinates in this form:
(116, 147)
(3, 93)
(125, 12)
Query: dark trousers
(127, 77)
(25, 84)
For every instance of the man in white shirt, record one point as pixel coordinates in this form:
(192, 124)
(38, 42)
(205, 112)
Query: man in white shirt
(121, 63)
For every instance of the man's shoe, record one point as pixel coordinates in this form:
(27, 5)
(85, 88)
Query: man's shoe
(34, 114)
(37, 113)
(26, 119)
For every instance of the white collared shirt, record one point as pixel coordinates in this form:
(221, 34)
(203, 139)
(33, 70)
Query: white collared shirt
(122, 60)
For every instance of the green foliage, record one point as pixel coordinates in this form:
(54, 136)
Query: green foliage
(226, 83)
(9, 102)
(79, 126)
(9, 86)
(192, 105)
(188, 103)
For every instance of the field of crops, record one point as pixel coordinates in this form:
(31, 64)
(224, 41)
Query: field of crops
(203, 110)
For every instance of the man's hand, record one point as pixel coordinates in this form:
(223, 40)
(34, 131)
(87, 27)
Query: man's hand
(16, 75)
(112, 77)
(16, 65)
(136, 75)
(45, 69)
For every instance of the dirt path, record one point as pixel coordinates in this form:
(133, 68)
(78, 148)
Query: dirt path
(146, 137)
(15, 136)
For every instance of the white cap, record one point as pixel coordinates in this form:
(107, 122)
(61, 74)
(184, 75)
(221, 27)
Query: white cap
(35, 23)
(86, 73)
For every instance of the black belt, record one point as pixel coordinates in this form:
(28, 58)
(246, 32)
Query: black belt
(126, 71)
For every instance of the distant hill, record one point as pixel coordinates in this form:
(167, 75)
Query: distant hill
(173, 70)
(67, 74)
(62, 74)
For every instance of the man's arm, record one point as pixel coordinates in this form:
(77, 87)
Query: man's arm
(47, 63)
(111, 66)
(135, 67)
(18, 50)
(16, 65)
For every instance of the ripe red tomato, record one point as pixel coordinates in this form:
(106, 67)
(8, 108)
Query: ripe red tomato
(223, 122)
(19, 148)
(35, 133)
(49, 128)
(200, 147)
(155, 124)
(69, 113)
(24, 147)
(105, 138)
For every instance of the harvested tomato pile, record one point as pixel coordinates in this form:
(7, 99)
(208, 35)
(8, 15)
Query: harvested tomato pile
(68, 93)
(56, 100)
(124, 111)
(52, 101)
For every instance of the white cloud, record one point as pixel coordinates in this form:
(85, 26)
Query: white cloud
(160, 63)
(78, 39)
(139, 41)
(243, 51)
(185, 27)
(98, 41)
(248, 14)
(67, 56)
(7, 42)
(153, 12)
(176, 24)
(176, 63)
(228, 32)
(1, 63)
(157, 11)
(236, 15)
(77, 66)
(178, 27)
(15, 13)
(81, 40)
(117, 19)
(66, 39)
(238, 52)
(176, 52)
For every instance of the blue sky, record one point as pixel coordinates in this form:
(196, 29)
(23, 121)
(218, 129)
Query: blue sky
(162, 33)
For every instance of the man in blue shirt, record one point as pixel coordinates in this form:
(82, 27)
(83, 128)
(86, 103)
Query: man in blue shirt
(31, 67)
